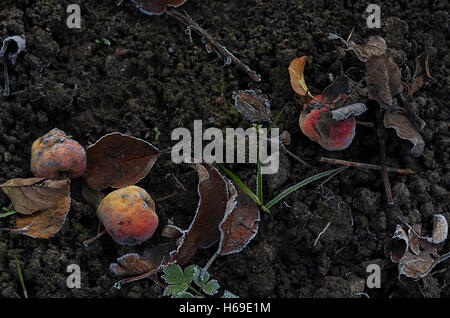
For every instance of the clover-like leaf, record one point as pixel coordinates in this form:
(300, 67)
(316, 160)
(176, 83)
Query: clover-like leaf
(209, 287)
(228, 294)
(177, 280)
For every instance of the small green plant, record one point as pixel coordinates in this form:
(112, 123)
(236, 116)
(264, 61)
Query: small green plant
(179, 283)
(7, 211)
(157, 133)
(25, 294)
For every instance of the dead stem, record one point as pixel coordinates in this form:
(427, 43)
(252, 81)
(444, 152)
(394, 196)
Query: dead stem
(6, 91)
(93, 239)
(381, 134)
(220, 49)
(364, 165)
(166, 197)
(294, 156)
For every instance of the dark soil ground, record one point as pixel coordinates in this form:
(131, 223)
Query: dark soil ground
(148, 74)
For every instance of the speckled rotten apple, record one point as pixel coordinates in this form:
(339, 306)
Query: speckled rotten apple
(128, 215)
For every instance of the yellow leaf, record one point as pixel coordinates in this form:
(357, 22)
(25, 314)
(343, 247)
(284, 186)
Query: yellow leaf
(297, 78)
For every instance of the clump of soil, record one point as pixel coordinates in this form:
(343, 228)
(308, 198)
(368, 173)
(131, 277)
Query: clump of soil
(128, 72)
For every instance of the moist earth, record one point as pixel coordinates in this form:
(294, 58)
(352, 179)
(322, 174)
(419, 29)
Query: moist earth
(144, 76)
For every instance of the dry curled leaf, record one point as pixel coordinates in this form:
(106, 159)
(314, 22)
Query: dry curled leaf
(342, 85)
(118, 160)
(156, 7)
(45, 223)
(405, 129)
(374, 46)
(440, 229)
(204, 230)
(397, 246)
(34, 194)
(253, 106)
(297, 78)
(384, 80)
(421, 73)
(240, 222)
(131, 264)
(342, 113)
(419, 266)
(415, 254)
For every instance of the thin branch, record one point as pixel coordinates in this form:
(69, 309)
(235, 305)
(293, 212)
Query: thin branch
(220, 49)
(364, 165)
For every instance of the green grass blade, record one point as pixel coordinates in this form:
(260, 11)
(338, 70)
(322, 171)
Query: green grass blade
(4, 215)
(259, 185)
(301, 184)
(241, 185)
(8, 211)
(21, 279)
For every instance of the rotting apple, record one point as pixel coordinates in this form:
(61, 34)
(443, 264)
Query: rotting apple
(317, 123)
(56, 156)
(128, 215)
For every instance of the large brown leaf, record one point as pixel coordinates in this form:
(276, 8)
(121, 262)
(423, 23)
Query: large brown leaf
(46, 223)
(383, 78)
(34, 194)
(153, 7)
(118, 160)
(204, 228)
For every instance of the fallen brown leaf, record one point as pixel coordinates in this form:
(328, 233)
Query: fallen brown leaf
(34, 194)
(118, 160)
(45, 223)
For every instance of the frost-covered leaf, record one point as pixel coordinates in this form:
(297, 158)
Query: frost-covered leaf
(209, 287)
(253, 106)
(131, 264)
(405, 129)
(185, 295)
(384, 80)
(45, 223)
(440, 229)
(398, 245)
(345, 112)
(118, 160)
(228, 294)
(11, 48)
(177, 280)
(34, 194)
(421, 73)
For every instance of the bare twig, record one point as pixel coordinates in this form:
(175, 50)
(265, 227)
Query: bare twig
(294, 156)
(364, 165)
(211, 42)
(178, 182)
(381, 133)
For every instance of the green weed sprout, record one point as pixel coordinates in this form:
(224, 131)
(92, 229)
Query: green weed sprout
(179, 283)
(8, 211)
